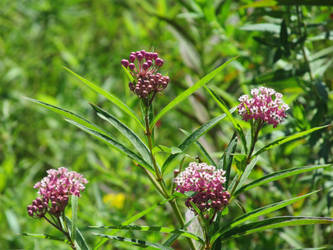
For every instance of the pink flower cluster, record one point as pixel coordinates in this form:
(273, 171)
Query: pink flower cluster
(143, 67)
(55, 190)
(265, 105)
(207, 183)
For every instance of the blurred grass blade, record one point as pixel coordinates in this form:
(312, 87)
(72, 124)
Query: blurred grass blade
(115, 100)
(115, 144)
(236, 125)
(44, 236)
(190, 91)
(68, 114)
(260, 212)
(126, 131)
(152, 229)
(278, 176)
(289, 138)
(276, 222)
(193, 137)
(80, 240)
(136, 242)
(74, 200)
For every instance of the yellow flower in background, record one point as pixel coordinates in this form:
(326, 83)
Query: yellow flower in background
(114, 200)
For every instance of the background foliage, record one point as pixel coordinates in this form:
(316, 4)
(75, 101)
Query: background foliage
(286, 47)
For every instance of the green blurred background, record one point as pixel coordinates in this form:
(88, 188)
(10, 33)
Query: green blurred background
(287, 47)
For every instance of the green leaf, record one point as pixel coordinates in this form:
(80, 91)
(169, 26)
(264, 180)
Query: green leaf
(259, 212)
(285, 139)
(136, 217)
(181, 97)
(276, 222)
(152, 229)
(130, 77)
(227, 158)
(205, 153)
(126, 131)
(80, 240)
(115, 144)
(279, 175)
(137, 242)
(115, 100)
(44, 236)
(193, 137)
(247, 172)
(70, 115)
(175, 236)
(236, 125)
(74, 216)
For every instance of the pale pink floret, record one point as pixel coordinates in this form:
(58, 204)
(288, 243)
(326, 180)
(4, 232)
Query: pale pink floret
(55, 190)
(266, 104)
(207, 183)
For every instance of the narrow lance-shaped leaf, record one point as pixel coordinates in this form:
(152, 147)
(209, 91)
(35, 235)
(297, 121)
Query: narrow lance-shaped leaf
(193, 137)
(289, 138)
(130, 77)
(247, 172)
(276, 222)
(68, 114)
(79, 240)
(236, 125)
(259, 212)
(181, 97)
(135, 218)
(278, 176)
(137, 242)
(126, 131)
(115, 100)
(44, 236)
(115, 144)
(202, 150)
(175, 236)
(152, 229)
(74, 200)
(227, 158)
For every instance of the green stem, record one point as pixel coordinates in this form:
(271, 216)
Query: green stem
(159, 182)
(60, 228)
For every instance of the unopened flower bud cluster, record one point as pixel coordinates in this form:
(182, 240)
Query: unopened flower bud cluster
(266, 104)
(55, 190)
(143, 67)
(207, 183)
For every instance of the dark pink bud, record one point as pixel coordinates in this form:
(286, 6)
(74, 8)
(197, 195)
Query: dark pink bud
(154, 55)
(159, 61)
(132, 57)
(125, 63)
(143, 52)
(139, 56)
(131, 66)
(145, 66)
(149, 62)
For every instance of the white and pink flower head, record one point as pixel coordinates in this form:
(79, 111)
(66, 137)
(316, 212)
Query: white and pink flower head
(207, 183)
(55, 190)
(266, 105)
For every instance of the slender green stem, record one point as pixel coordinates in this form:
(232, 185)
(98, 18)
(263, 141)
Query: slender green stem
(159, 182)
(60, 228)
(255, 129)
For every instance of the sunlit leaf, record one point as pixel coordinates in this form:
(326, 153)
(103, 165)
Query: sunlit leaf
(181, 97)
